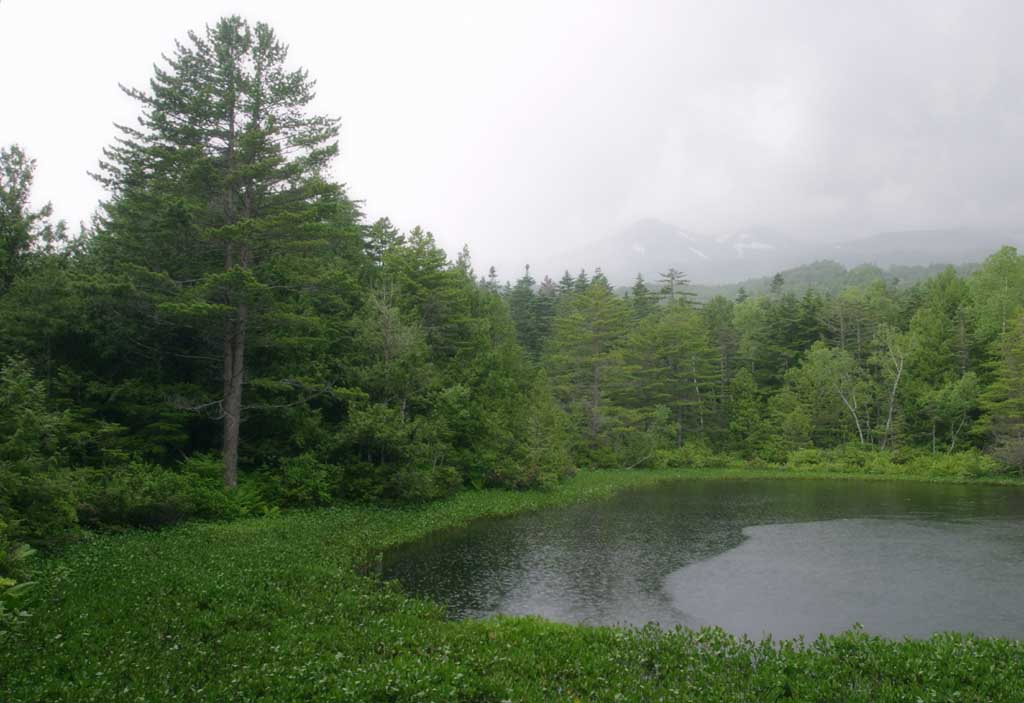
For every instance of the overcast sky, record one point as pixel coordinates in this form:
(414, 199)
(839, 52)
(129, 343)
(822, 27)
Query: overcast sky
(525, 126)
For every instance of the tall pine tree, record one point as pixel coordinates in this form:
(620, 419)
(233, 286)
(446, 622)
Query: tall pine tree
(219, 185)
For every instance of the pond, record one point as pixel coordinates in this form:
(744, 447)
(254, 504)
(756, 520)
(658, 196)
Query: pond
(783, 557)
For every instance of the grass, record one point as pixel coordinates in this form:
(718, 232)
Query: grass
(275, 609)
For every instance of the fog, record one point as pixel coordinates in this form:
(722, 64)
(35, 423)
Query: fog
(528, 128)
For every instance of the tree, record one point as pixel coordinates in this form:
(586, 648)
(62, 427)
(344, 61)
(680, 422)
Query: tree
(644, 302)
(950, 409)
(382, 237)
(522, 304)
(892, 351)
(566, 284)
(835, 373)
(746, 413)
(585, 356)
(582, 282)
(673, 365)
(221, 182)
(1003, 402)
(997, 295)
(673, 286)
(23, 231)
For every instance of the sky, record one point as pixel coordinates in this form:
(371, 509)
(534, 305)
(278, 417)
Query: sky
(535, 126)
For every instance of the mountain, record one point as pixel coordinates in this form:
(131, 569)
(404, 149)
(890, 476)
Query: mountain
(923, 247)
(652, 246)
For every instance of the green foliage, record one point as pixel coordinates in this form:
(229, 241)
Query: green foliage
(231, 318)
(25, 234)
(856, 459)
(14, 560)
(157, 615)
(138, 494)
(29, 430)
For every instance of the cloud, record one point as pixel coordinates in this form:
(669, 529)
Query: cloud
(532, 126)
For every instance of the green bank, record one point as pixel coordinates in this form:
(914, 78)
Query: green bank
(287, 608)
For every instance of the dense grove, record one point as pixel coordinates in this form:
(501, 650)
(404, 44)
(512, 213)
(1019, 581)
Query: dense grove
(229, 336)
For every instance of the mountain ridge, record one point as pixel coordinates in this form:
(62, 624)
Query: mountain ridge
(650, 246)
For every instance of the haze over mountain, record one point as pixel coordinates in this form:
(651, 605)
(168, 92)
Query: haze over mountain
(652, 246)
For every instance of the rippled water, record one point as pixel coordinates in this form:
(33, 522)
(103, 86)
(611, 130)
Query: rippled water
(785, 557)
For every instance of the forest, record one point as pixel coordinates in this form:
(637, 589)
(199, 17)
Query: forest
(228, 336)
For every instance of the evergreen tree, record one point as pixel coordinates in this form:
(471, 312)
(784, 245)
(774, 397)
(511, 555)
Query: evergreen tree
(1002, 423)
(644, 302)
(522, 304)
(221, 182)
(674, 286)
(382, 237)
(673, 365)
(584, 361)
(567, 284)
(746, 413)
(23, 231)
(582, 282)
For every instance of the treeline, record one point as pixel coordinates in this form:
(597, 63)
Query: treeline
(229, 314)
(652, 377)
(229, 320)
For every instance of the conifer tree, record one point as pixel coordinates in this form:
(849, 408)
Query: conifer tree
(585, 358)
(644, 302)
(22, 229)
(522, 304)
(674, 286)
(582, 282)
(1003, 402)
(220, 183)
(566, 283)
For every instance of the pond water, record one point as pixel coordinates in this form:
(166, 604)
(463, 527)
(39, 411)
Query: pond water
(755, 557)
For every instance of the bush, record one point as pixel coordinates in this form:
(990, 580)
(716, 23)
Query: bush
(13, 570)
(968, 464)
(301, 482)
(144, 495)
(412, 484)
(38, 505)
(691, 455)
(869, 460)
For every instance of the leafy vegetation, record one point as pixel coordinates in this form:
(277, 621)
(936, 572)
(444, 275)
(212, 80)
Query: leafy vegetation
(229, 336)
(274, 609)
(229, 305)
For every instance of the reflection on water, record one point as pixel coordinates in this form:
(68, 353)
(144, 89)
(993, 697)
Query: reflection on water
(786, 557)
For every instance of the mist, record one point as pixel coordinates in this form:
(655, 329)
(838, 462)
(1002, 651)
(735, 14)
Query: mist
(531, 129)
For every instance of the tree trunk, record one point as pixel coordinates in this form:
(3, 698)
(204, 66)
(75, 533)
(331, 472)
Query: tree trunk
(234, 374)
(898, 365)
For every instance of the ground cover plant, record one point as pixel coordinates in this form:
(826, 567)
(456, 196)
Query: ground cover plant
(287, 608)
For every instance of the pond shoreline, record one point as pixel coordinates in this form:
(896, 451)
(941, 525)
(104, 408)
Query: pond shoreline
(273, 609)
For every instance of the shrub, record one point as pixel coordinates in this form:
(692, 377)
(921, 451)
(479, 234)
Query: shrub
(691, 455)
(38, 505)
(143, 495)
(300, 482)
(968, 464)
(13, 570)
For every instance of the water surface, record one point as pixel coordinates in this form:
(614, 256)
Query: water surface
(785, 557)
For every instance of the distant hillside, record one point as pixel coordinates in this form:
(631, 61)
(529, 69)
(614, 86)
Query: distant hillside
(925, 247)
(829, 277)
(652, 246)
